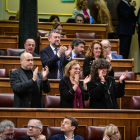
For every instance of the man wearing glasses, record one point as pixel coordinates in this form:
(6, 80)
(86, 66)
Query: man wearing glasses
(6, 130)
(107, 47)
(34, 131)
(68, 127)
(29, 47)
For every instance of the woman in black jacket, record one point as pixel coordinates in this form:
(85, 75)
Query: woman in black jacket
(73, 92)
(102, 88)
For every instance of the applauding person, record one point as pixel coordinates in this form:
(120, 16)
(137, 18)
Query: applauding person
(72, 91)
(102, 88)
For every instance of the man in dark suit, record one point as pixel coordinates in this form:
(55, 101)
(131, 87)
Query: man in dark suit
(34, 131)
(55, 56)
(126, 25)
(29, 47)
(68, 127)
(7, 130)
(77, 48)
(28, 84)
(107, 47)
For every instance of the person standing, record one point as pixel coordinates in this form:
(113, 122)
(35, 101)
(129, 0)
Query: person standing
(138, 26)
(126, 25)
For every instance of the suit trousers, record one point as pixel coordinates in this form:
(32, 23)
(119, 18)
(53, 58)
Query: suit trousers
(125, 43)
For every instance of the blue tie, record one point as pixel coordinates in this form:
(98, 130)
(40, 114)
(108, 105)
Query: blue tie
(139, 19)
(59, 67)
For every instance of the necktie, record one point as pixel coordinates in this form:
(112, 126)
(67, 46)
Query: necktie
(75, 56)
(59, 67)
(139, 18)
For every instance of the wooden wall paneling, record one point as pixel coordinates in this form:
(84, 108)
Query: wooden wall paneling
(135, 128)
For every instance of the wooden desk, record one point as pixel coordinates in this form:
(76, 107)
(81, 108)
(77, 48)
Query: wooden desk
(132, 88)
(8, 42)
(101, 30)
(115, 43)
(128, 121)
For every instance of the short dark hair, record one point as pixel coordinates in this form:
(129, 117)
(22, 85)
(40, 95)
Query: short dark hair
(53, 31)
(76, 42)
(99, 64)
(80, 15)
(53, 17)
(74, 122)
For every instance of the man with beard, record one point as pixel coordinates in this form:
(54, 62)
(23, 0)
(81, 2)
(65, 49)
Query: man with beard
(77, 48)
(55, 56)
(28, 84)
(126, 25)
(34, 131)
(7, 130)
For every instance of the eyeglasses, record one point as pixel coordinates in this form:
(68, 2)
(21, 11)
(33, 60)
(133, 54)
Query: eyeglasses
(105, 47)
(33, 127)
(75, 68)
(98, 48)
(66, 122)
(10, 134)
(33, 45)
(115, 133)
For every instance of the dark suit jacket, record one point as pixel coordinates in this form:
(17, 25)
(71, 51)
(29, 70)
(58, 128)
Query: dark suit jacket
(25, 137)
(61, 137)
(2, 52)
(126, 19)
(137, 20)
(78, 56)
(67, 93)
(22, 88)
(48, 58)
(19, 53)
(116, 56)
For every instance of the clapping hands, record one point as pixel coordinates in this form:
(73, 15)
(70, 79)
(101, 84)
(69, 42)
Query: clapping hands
(45, 72)
(123, 76)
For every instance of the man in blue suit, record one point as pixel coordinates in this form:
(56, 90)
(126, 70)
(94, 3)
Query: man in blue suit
(107, 47)
(68, 127)
(126, 25)
(77, 48)
(55, 56)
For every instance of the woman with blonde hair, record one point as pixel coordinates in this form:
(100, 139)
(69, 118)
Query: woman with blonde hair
(94, 52)
(111, 132)
(104, 17)
(73, 92)
(81, 8)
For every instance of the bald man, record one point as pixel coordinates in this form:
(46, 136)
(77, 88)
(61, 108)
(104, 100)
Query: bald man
(28, 84)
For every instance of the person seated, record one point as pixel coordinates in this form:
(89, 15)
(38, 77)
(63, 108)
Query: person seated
(2, 52)
(94, 52)
(81, 8)
(73, 92)
(7, 130)
(102, 88)
(107, 47)
(34, 131)
(79, 18)
(68, 127)
(58, 26)
(29, 47)
(111, 132)
(54, 18)
(77, 48)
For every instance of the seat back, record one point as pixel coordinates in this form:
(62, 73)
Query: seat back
(43, 20)
(19, 132)
(51, 130)
(3, 73)
(130, 76)
(135, 102)
(94, 133)
(85, 35)
(2, 52)
(52, 101)
(12, 17)
(6, 100)
(42, 33)
(10, 51)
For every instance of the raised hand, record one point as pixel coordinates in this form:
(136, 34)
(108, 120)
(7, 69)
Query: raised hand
(86, 80)
(76, 80)
(101, 75)
(35, 74)
(68, 52)
(108, 59)
(62, 50)
(123, 76)
(106, 137)
(45, 72)
(42, 137)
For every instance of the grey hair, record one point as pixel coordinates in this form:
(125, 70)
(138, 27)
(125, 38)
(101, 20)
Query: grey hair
(53, 31)
(30, 38)
(109, 44)
(37, 121)
(6, 123)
